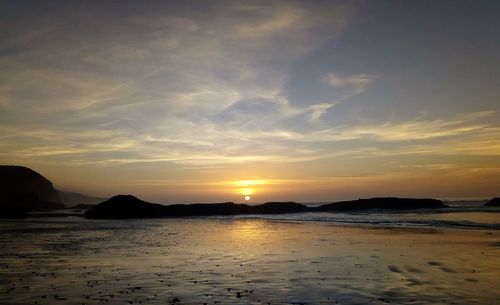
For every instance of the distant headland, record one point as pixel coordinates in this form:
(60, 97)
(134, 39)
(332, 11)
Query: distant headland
(23, 190)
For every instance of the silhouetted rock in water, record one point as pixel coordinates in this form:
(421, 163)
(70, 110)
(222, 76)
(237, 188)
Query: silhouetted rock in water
(71, 199)
(279, 208)
(127, 206)
(204, 209)
(12, 213)
(390, 203)
(230, 208)
(24, 188)
(495, 202)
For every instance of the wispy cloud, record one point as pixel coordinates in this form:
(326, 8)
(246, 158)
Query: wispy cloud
(163, 83)
(419, 129)
(205, 144)
(176, 87)
(354, 84)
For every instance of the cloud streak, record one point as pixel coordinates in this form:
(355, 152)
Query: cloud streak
(355, 84)
(205, 144)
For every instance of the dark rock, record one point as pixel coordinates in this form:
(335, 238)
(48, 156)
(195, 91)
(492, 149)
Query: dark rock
(390, 203)
(128, 206)
(22, 187)
(279, 208)
(203, 209)
(495, 202)
(125, 206)
(31, 202)
(230, 208)
(12, 213)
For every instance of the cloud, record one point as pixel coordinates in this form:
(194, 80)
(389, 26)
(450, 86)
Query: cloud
(355, 84)
(421, 129)
(163, 72)
(206, 143)
(318, 110)
(188, 87)
(412, 130)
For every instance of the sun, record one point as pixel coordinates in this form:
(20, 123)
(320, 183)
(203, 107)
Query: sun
(248, 188)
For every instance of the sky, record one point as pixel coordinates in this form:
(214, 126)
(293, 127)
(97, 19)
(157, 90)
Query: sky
(205, 101)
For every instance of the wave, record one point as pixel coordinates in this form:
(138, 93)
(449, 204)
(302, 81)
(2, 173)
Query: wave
(458, 219)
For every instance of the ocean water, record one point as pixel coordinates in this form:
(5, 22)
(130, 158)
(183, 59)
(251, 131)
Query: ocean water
(466, 218)
(380, 257)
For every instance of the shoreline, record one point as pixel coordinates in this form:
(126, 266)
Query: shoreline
(471, 219)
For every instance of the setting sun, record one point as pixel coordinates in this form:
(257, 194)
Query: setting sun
(249, 187)
(247, 191)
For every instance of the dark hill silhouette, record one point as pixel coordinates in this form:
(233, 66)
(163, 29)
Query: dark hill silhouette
(23, 190)
(390, 203)
(495, 202)
(31, 202)
(279, 208)
(21, 187)
(125, 206)
(230, 208)
(203, 209)
(12, 213)
(128, 206)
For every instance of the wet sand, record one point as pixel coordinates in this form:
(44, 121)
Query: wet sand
(243, 261)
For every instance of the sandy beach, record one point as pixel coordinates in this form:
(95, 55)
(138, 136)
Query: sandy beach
(243, 261)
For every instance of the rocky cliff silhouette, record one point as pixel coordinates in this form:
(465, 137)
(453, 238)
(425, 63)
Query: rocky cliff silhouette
(23, 188)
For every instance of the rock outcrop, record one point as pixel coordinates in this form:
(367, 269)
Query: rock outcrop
(125, 206)
(128, 206)
(21, 187)
(495, 202)
(12, 213)
(389, 203)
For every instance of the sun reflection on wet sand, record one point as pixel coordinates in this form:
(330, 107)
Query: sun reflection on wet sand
(250, 230)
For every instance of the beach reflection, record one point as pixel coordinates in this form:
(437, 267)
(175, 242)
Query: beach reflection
(249, 231)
